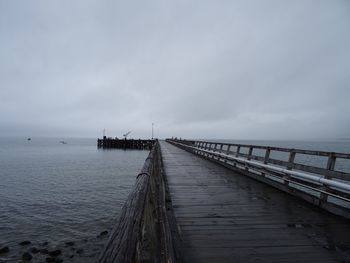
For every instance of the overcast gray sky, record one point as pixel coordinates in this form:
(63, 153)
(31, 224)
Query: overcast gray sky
(239, 69)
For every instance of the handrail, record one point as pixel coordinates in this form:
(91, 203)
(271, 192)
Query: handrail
(282, 149)
(325, 181)
(143, 232)
(330, 171)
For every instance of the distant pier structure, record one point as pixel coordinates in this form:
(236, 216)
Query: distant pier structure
(115, 143)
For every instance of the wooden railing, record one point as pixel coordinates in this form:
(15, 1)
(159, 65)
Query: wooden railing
(319, 177)
(146, 230)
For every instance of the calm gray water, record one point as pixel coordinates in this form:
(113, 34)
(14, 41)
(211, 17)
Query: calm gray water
(52, 192)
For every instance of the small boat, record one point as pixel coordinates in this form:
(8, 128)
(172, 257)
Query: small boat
(29, 139)
(63, 142)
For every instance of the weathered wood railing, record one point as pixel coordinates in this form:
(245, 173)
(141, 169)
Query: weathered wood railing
(146, 230)
(286, 169)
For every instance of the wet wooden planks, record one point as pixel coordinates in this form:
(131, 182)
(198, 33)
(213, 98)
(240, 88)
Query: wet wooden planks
(226, 217)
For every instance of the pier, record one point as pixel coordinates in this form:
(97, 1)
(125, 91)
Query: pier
(111, 143)
(198, 201)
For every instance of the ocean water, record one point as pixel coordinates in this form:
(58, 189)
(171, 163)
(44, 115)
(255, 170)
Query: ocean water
(53, 193)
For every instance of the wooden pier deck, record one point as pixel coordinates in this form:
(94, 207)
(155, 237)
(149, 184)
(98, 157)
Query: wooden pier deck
(224, 216)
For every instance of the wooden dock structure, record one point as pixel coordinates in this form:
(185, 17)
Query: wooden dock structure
(216, 202)
(115, 143)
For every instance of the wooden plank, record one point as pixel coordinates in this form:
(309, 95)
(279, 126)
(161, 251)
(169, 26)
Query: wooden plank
(223, 215)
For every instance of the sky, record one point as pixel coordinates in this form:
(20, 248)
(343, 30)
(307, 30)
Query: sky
(237, 69)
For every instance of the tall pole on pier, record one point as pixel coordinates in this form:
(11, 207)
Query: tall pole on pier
(152, 130)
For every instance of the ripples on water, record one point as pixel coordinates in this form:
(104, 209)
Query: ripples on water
(52, 192)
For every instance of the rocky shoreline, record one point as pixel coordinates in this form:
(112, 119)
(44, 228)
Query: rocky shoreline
(85, 250)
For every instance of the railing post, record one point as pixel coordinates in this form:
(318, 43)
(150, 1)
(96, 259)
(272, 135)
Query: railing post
(227, 152)
(220, 150)
(196, 144)
(200, 146)
(205, 148)
(250, 152)
(330, 167)
(210, 148)
(267, 157)
(289, 165)
(214, 150)
(331, 162)
(237, 155)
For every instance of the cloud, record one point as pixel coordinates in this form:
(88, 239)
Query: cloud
(226, 69)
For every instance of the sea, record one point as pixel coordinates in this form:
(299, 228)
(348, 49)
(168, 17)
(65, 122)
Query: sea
(67, 197)
(61, 196)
